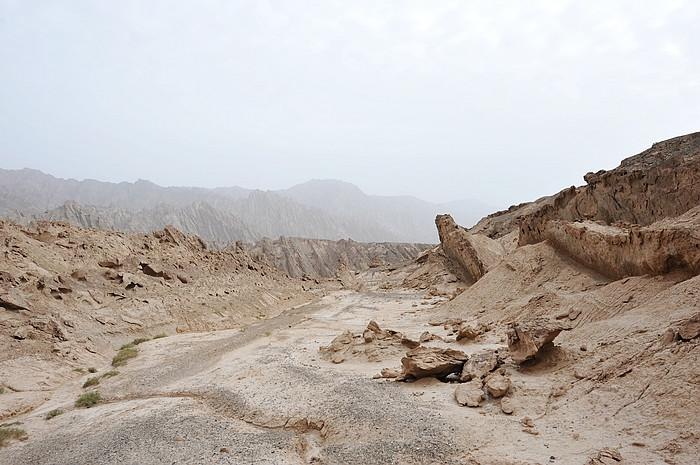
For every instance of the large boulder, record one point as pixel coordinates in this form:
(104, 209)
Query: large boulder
(480, 364)
(470, 394)
(526, 339)
(423, 362)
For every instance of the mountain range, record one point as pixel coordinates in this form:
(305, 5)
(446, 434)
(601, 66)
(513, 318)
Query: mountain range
(319, 209)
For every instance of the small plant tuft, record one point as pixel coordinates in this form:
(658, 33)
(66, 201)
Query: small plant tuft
(53, 413)
(89, 399)
(110, 373)
(128, 345)
(139, 340)
(11, 433)
(2, 390)
(125, 353)
(160, 336)
(92, 370)
(79, 369)
(93, 381)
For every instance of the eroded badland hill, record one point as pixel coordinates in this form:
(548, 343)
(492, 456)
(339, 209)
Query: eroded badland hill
(561, 331)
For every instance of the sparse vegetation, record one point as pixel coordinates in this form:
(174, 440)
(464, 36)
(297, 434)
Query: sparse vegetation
(11, 433)
(89, 399)
(139, 340)
(92, 381)
(128, 345)
(2, 390)
(6, 425)
(79, 369)
(110, 373)
(53, 413)
(160, 336)
(92, 370)
(125, 353)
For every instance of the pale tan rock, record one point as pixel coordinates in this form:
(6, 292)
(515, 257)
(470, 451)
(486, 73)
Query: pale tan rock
(691, 328)
(23, 332)
(479, 365)
(526, 339)
(606, 457)
(507, 406)
(390, 373)
(498, 385)
(476, 254)
(469, 332)
(374, 327)
(470, 394)
(436, 362)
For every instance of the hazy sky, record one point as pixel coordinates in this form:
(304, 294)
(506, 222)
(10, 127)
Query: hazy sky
(503, 101)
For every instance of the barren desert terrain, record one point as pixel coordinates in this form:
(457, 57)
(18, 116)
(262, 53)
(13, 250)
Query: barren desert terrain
(561, 331)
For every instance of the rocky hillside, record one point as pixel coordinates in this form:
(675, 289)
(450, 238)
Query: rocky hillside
(319, 209)
(314, 257)
(555, 332)
(215, 227)
(75, 295)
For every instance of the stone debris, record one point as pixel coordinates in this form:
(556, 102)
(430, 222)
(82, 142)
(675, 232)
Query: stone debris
(470, 332)
(435, 362)
(480, 364)
(470, 394)
(526, 339)
(373, 343)
(507, 405)
(690, 329)
(606, 457)
(498, 384)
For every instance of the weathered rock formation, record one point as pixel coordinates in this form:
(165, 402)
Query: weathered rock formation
(70, 293)
(470, 394)
(476, 254)
(640, 218)
(373, 344)
(436, 362)
(617, 251)
(526, 339)
(316, 257)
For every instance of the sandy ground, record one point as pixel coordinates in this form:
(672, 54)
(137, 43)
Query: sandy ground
(266, 394)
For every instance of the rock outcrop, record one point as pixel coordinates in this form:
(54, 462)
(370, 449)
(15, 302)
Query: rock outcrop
(617, 251)
(526, 339)
(75, 293)
(640, 218)
(423, 362)
(316, 257)
(476, 254)
(371, 345)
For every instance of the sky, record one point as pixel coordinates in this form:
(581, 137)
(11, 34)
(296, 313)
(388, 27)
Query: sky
(501, 101)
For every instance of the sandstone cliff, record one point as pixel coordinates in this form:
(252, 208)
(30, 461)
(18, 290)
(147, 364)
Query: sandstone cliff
(639, 218)
(475, 253)
(315, 257)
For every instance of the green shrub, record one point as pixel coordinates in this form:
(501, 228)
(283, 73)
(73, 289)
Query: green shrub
(53, 413)
(93, 381)
(110, 373)
(160, 336)
(139, 340)
(11, 433)
(79, 370)
(125, 353)
(128, 345)
(2, 390)
(92, 370)
(89, 399)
